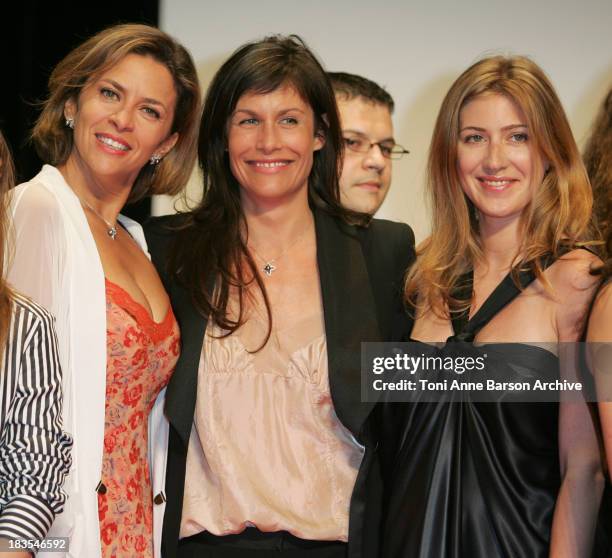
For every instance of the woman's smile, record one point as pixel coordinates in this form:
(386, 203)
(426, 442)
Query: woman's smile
(271, 142)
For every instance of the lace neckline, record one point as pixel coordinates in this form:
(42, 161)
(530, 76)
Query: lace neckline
(157, 331)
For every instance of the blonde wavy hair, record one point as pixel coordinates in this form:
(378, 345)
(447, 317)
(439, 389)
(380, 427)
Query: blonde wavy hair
(558, 215)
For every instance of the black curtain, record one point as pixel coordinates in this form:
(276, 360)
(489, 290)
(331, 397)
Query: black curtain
(36, 36)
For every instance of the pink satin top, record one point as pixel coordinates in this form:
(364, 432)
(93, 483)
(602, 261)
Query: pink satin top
(266, 447)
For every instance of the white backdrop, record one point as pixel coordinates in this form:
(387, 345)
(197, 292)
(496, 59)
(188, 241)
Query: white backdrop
(415, 49)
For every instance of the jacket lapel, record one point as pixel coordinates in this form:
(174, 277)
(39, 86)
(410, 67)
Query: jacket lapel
(350, 319)
(182, 388)
(349, 313)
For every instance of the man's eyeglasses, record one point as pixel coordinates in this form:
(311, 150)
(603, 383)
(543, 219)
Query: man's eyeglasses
(361, 144)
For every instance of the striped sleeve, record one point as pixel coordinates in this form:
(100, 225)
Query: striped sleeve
(34, 451)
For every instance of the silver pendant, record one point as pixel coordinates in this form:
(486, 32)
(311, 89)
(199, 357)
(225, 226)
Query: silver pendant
(268, 269)
(112, 232)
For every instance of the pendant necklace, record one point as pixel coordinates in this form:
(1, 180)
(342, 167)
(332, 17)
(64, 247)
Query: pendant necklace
(269, 267)
(111, 230)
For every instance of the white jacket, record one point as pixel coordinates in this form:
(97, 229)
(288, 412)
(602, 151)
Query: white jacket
(54, 260)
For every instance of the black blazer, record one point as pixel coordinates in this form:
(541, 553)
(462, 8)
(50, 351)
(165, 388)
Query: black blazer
(361, 272)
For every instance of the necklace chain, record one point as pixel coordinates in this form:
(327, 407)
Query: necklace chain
(111, 229)
(269, 267)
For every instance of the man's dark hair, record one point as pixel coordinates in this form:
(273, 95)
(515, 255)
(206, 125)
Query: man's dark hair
(351, 86)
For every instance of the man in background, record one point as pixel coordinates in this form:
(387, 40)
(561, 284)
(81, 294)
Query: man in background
(365, 118)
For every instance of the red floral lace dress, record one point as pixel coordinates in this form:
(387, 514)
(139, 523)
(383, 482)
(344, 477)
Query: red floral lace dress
(141, 355)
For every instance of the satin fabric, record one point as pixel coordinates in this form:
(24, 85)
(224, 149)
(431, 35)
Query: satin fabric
(361, 274)
(475, 479)
(289, 465)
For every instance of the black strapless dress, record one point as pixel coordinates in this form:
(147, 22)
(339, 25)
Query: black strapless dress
(471, 479)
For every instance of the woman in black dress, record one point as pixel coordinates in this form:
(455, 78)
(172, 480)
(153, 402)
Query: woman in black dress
(511, 202)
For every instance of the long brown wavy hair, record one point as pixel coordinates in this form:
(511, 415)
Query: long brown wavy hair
(210, 242)
(7, 180)
(558, 215)
(598, 161)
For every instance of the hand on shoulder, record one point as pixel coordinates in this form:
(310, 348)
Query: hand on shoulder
(600, 320)
(574, 287)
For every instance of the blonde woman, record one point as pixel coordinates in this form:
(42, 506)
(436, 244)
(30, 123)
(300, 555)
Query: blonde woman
(34, 451)
(511, 201)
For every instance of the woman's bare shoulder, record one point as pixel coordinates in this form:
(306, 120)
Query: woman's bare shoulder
(574, 286)
(600, 321)
(573, 272)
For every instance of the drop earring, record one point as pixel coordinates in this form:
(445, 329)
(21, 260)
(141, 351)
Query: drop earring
(70, 122)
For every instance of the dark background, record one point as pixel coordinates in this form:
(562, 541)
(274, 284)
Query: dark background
(34, 40)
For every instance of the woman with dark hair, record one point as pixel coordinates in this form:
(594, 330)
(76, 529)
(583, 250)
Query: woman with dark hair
(598, 161)
(599, 359)
(275, 286)
(120, 123)
(511, 203)
(34, 451)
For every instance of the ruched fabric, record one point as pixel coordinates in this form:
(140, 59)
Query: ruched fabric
(267, 449)
(476, 479)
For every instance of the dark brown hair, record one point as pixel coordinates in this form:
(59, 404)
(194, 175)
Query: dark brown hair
(211, 243)
(53, 139)
(598, 161)
(352, 86)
